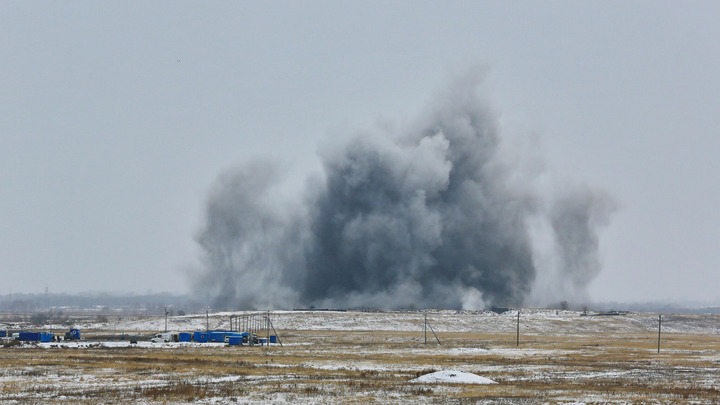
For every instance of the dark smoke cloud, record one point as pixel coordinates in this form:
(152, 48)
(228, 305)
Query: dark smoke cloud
(574, 218)
(430, 216)
(252, 241)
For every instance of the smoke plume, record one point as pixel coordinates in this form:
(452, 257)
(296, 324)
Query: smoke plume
(428, 216)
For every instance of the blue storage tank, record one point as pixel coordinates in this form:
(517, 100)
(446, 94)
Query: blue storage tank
(232, 334)
(184, 337)
(218, 335)
(76, 333)
(200, 337)
(3, 333)
(273, 339)
(47, 337)
(234, 340)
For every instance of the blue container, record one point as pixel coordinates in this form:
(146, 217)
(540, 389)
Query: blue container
(200, 337)
(234, 340)
(75, 333)
(273, 339)
(3, 333)
(47, 337)
(29, 336)
(184, 337)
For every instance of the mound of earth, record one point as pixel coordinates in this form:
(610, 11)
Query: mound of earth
(453, 376)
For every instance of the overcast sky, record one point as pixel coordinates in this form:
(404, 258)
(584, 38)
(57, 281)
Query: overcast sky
(116, 118)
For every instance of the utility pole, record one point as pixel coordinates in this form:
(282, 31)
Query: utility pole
(207, 319)
(425, 328)
(659, 329)
(166, 314)
(517, 334)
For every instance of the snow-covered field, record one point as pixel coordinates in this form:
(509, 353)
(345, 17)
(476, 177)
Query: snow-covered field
(533, 321)
(379, 357)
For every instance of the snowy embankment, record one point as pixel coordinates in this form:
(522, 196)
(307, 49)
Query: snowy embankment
(532, 321)
(453, 376)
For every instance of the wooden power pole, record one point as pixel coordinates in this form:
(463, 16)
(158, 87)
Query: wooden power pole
(659, 330)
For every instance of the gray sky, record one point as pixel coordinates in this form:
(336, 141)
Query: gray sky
(116, 117)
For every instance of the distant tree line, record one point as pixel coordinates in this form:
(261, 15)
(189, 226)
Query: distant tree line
(102, 303)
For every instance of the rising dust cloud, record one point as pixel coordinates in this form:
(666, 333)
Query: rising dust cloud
(431, 215)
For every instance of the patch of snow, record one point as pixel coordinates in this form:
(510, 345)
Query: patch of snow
(466, 350)
(83, 344)
(453, 376)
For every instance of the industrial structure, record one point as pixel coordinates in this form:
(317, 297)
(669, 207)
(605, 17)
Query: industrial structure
(249, 329)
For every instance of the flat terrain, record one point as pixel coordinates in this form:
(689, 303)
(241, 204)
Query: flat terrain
(363, 357)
